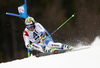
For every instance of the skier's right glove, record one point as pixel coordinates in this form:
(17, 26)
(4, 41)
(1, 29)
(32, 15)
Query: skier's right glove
(30, 47)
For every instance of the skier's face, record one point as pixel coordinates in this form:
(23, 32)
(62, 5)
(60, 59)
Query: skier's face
(31, 29)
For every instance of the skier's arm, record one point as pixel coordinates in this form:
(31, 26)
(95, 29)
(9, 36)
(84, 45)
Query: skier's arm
(42, 30)
(26, 40)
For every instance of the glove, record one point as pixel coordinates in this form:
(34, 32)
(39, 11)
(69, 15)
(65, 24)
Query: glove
(42, 37)
(30, 47)
(43, 34)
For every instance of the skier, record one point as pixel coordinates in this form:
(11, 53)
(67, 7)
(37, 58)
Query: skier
(36, 34)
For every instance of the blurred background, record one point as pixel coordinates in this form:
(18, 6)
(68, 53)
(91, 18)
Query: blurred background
(84, 27)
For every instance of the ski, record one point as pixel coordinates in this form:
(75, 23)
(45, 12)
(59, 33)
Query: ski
(51, 53)
(61, 51)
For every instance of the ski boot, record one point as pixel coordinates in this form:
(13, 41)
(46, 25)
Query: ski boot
(65, 46)
(47, 49)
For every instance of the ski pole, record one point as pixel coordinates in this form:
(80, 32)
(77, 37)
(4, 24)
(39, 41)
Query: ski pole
(28, 52)
(12, 14)
(60, 26)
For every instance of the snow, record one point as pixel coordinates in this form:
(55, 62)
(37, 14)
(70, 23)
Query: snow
(86, 58)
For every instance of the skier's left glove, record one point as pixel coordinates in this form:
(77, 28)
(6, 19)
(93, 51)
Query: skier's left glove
(43, 34)
(42, 37)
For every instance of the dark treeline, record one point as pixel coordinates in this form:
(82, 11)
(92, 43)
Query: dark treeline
(84, 27)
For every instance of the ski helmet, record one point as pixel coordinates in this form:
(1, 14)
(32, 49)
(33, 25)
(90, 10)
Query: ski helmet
(30, 22)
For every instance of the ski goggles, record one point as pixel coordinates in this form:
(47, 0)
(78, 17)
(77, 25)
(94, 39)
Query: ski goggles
(30, 26)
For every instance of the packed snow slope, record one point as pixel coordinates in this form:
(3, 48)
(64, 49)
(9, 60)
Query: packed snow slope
(86, 58)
